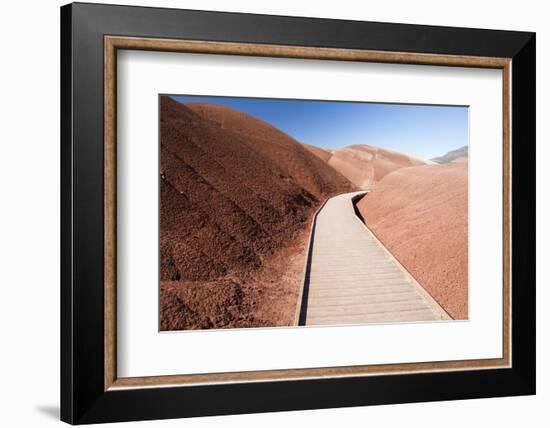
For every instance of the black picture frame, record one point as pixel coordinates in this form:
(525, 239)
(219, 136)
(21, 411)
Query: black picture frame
(83, 398)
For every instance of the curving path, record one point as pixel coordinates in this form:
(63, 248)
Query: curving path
(351, 278)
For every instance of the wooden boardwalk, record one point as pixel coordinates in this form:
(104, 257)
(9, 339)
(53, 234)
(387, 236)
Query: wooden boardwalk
(351, 278)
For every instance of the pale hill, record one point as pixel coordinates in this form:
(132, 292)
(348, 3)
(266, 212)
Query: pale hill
(237, 199)
(421, 215)
(365, 165)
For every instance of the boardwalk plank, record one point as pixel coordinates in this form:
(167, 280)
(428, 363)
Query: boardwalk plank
(353, 279)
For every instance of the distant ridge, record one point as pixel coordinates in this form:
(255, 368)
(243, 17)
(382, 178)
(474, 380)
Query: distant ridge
(365, 165)
(458, 155)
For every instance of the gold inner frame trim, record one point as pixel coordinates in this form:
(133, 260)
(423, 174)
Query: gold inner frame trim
(113, 43)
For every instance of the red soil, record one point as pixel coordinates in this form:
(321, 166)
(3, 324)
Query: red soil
(237, 198)
(421, 215)
(365, 165)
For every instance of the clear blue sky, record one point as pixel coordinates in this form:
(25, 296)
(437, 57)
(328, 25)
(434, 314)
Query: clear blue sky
(419, 130)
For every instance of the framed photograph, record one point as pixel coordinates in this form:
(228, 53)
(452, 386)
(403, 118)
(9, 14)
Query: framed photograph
(265, 213)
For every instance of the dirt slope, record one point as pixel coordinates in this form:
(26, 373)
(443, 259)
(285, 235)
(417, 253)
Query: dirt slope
(365, 165)
(237, 197)
(421, 215)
